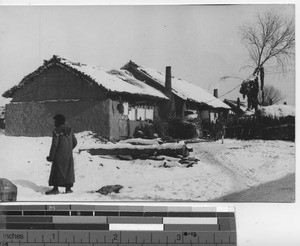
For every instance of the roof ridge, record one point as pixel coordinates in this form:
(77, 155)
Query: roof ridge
(93, 74)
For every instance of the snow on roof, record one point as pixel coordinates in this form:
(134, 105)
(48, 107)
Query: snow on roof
(234, 104)
(277, 111)
(113, 81)
(185, 89)
(143, 87)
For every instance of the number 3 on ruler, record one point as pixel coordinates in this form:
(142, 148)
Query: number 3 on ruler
(178, 237)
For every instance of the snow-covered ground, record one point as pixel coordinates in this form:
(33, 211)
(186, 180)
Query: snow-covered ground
(223, 169)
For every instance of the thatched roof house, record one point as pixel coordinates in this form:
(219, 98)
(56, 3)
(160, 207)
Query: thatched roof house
(185, 94)
(107, 102)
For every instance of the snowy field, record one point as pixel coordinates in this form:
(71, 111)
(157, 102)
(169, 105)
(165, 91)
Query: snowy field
(223, 169)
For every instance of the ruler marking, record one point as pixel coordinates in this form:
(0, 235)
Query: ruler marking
(165, 237)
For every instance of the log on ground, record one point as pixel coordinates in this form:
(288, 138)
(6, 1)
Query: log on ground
(168, 149)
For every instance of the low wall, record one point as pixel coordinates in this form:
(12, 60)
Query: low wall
(35, 119)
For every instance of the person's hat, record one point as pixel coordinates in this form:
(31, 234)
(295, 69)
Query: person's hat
(60, 118)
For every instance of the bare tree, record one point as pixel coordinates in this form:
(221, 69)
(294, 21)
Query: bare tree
(272, 95)
(269, 38)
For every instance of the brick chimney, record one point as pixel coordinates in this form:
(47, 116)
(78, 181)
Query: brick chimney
(216, 94)
(168, 81)
(168, 108)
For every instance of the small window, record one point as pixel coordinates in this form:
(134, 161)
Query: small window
(212, 117)
(126, 108)
(141, 113)
(150, 113)
(132, 113)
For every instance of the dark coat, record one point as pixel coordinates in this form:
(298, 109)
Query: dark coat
(61, 154)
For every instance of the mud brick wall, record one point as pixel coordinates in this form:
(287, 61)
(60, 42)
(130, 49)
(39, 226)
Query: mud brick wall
(35, 119)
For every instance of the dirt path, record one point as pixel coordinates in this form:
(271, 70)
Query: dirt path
(209, 153)
(252, 168)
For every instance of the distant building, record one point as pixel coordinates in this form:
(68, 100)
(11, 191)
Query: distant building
(238, 108)
(184, 94)
(110, 103)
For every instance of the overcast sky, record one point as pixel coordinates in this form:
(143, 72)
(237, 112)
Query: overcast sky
(201, 43)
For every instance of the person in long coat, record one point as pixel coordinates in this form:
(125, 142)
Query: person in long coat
(61, 156)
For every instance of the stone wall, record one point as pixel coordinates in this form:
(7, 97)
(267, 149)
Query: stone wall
(35, 119)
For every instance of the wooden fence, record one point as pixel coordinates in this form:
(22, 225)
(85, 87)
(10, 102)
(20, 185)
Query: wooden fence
(261, 127)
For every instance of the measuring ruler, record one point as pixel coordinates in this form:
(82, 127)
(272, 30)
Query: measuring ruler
(111, 225)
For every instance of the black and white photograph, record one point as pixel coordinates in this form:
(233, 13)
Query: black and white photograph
(160, 103)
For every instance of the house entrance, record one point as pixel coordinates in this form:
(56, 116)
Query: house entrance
(124, 128)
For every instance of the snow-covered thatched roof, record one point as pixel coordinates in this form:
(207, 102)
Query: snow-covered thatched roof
(182, 88)
(115, 81)
(234, 105)
(277, 111)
